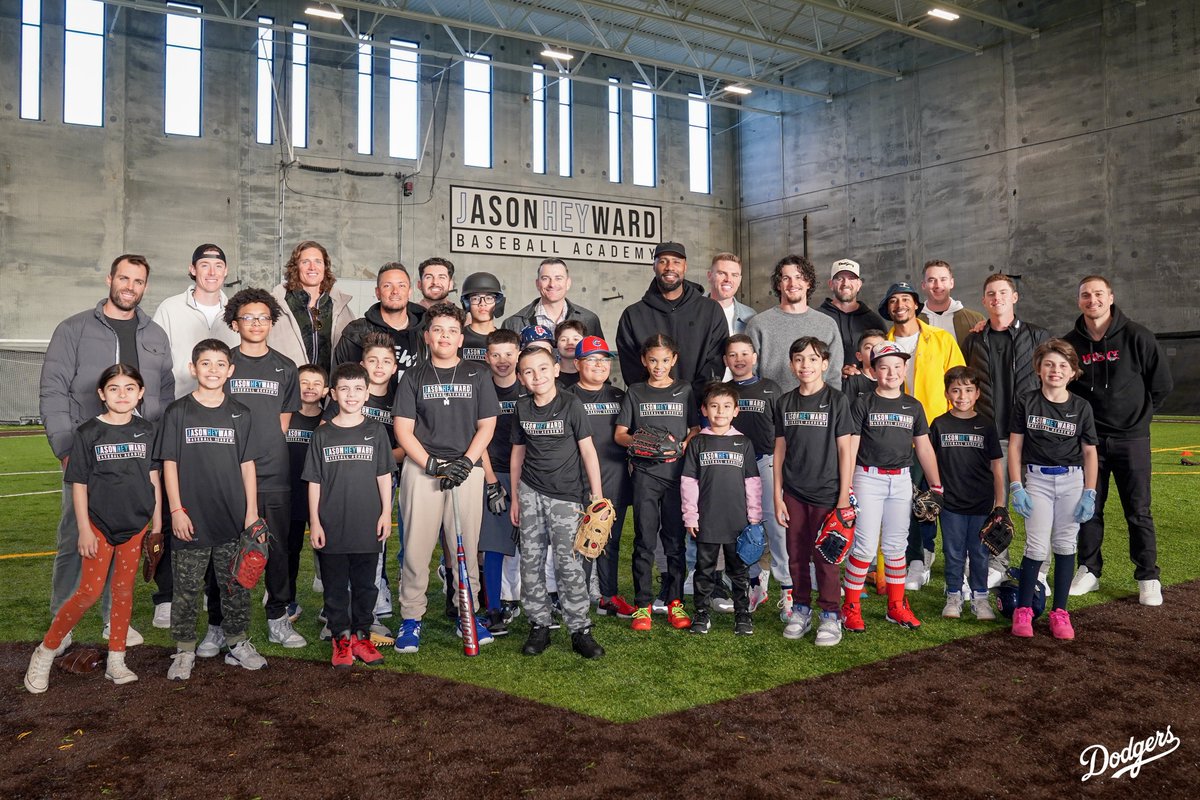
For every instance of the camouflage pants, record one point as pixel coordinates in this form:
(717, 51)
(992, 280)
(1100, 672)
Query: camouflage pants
(188, 566)
(550, 523)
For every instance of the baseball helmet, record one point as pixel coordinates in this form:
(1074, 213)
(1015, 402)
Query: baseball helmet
(1009, 590)
(482, 283)
(536, 333)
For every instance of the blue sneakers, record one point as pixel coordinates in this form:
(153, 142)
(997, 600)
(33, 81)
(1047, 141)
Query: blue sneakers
(482, 634)
(408, 639)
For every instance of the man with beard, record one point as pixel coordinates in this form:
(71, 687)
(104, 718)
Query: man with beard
(82, 347)
(393, 315)
(678, 308)
(436, 278)
(552, 306)
(852, 317)
(774, 330)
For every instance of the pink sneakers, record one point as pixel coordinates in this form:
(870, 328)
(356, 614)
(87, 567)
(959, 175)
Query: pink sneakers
(1060, 624)
(1023, 622)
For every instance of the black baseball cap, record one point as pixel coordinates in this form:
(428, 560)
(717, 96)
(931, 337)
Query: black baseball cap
(208, 251)
(902, 287)
(675, 248)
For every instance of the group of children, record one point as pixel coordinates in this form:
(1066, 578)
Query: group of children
(526, 435)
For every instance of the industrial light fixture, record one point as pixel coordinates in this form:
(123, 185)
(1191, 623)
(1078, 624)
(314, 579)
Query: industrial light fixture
(327, 13)
(942, 13)
(738, 89)
(561, 55)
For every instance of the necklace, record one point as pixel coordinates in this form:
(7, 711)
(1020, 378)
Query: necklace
(438, 375)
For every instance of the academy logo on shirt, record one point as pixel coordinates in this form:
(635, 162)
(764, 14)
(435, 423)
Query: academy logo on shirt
(815, 419)
(253, 386)
(348, 452)
(474, 354)
(447, 391)
(551, 427)
(378, 414)
(208, 436)
(890, 420)
(116, 452)
(602, 409)
(751, 405)
(962, 440)
(298, 435)
(660, 409)
(508, 406)
(1056, 426)
(722, 458)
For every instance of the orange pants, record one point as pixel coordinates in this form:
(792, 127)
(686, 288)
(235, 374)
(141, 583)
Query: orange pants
(91, 586)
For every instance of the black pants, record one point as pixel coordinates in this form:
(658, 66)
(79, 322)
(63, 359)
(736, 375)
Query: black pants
(706, 566)
(350, 591)
(164, 585)
(295, 542)
(608, 562)
(1127, 461)
(922, 536)
(657, 514)
(276, 510)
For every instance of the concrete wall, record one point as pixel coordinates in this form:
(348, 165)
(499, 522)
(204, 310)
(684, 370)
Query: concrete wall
(1073, 153)
(71, 197)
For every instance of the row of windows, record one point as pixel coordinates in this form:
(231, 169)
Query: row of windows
(83, 94)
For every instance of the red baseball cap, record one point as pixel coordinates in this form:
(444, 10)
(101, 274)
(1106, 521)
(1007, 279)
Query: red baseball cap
(593, 346)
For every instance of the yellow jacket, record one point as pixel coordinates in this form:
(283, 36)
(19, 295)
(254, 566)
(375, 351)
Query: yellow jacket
(936, 352)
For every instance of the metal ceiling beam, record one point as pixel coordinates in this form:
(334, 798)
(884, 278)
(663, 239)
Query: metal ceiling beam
(990, 19)
(892, 25)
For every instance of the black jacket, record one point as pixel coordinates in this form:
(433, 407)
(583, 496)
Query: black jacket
(977, 355)
(1125, 376)
(852, 325)
(695, 322)
(409, 343)
(525, 317)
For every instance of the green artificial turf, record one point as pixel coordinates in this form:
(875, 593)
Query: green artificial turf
(642, 674)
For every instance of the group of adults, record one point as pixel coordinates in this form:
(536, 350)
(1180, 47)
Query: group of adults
(1125, 375)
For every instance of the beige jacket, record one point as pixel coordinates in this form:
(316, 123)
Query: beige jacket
(286, 336)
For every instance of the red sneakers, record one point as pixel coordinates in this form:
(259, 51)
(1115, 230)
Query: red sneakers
(900, 614)
(342, 656)
(364, 650)
(641, 619)
(615, 606)
(852, 618)
(677, 616)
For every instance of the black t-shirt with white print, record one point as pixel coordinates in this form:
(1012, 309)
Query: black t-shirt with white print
(115, 461)
(810, 426)
(474, 346)
(672, 408)
(298, 435)
(602, 407)
(500, 447)
(965, 449)
(269, 386)
(756, 413)
(445, 403)
(1054, 432)
(378, 408)
(551, 436)
(887, 426)
(346, 463)
(721, 465)
(208, 446)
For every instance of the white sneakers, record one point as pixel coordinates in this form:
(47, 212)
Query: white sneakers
(181, 666)
(785, 604)
(116, 671)
(280, 631)
(829, 632)
(798, 623)
(214, 641)
(1083, 582)
(37, 676)
(954, 606)
(758, 590)
(245, 656)
(132, 637)
(981, 606)
(1150, 592)
(917, 576)
(162, 615)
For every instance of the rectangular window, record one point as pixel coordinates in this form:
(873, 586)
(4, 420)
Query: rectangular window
(265, 105)
(614, 130)
(404, 97)
(364, 95)
(644, 167)
(299, 85)
(699, 161)
(31, 59)
(183, 69)
(539, 119)
(477, 111)
(83, 63)
(564, 127)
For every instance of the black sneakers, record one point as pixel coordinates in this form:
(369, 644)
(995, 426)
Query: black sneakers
(495, 622)
(583, 643)
(743, 625)
(701, 622)
(538, 641)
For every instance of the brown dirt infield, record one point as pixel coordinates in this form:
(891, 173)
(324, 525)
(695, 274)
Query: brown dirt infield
(990, 716)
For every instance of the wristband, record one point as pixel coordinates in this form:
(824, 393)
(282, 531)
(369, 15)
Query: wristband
(177, 510)
(936, 487)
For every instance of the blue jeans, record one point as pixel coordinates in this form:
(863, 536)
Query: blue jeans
(960, 541)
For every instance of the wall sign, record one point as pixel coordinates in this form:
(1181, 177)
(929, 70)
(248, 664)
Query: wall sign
(502, 223)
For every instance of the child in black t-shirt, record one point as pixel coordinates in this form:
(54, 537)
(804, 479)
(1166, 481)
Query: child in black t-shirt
(721, 493)
(115, 492)
(863, 380)
(210, 484)
(314, 388)
(551, 451)
(349, 473)
(567, 334)
(886, 427)
(483, 302)
(668, 403)
(379, 360)
(971, 464)
(1053, 442)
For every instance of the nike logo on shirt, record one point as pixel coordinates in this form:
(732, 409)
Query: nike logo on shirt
(824, 405)
(905, 408)
(368, 438)
(1070, 416)
(139, 435)
(676, 394)
(236, 416)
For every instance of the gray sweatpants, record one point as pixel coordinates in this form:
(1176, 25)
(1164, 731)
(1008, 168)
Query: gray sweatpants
(550, 523)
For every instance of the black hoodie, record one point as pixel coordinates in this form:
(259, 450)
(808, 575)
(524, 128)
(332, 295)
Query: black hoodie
(695, 322)
(409, 342)
(852, 325)
(1125, 376)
